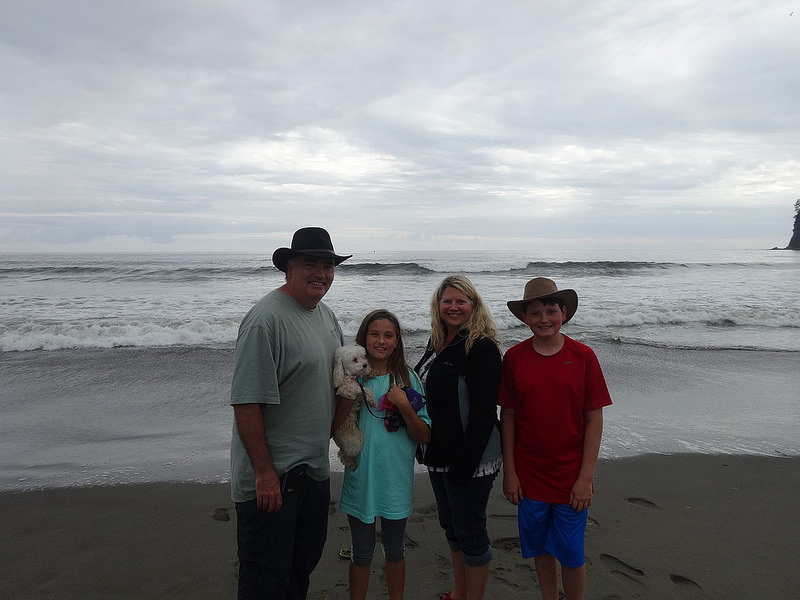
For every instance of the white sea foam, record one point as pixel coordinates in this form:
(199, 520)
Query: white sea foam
(720, 300)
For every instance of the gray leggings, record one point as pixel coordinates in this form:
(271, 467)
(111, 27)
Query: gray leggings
(393, 532)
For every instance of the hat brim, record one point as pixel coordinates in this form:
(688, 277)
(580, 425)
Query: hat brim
(282, 256)
(569, 297)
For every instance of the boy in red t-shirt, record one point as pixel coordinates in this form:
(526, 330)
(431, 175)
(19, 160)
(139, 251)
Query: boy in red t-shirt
(552, 394)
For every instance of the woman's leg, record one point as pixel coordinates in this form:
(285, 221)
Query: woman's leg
(476, 578)
(468, 505)
(443, 508)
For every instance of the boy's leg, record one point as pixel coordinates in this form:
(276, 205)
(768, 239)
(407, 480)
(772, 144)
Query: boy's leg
(574, 581)
(569, 529)
(547, 572)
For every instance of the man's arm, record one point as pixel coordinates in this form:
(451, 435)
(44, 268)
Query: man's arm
(581, 495)
(250, 424)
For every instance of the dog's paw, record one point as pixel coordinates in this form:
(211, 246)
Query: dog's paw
(350, 462)
(369, 397)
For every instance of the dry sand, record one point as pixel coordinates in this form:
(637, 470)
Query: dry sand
(662, 527)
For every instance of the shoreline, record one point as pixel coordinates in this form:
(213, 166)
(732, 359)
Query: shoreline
(661, 526)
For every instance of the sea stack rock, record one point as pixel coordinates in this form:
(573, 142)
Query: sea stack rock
(794, 243)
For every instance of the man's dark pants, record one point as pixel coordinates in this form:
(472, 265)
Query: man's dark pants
(279, 550)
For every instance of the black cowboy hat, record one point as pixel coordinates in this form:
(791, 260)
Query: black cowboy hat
(310, 241)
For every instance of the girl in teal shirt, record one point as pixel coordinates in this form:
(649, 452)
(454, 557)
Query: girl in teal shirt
(383, 483)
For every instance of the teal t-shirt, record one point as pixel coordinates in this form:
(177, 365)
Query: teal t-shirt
(284, 361)
(383, 483)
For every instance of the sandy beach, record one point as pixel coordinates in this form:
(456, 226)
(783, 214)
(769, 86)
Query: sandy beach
(667, 527)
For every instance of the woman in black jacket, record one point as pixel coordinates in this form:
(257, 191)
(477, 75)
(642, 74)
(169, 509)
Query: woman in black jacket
(461, 372)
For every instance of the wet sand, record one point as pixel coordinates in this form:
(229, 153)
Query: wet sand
(667, 527)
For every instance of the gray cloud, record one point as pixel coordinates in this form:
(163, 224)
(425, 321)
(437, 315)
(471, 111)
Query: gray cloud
(210, 126)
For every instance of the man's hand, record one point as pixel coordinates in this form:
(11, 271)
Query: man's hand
(268, 491)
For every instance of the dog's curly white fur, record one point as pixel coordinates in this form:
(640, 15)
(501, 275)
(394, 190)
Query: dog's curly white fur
(349, 363)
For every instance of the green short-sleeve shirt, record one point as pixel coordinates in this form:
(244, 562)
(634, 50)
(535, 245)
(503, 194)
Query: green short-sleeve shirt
(284, 361)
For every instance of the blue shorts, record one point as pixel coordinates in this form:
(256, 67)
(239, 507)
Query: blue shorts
(554, 529)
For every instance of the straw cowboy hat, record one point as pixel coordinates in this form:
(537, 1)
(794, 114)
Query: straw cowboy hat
(540, 288)
(309, 241)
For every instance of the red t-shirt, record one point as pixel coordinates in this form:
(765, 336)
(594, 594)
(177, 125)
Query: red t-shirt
(549, 396)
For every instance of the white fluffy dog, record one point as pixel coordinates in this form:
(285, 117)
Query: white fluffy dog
(350, 362)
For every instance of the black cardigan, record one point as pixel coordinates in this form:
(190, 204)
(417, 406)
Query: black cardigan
(453, 443)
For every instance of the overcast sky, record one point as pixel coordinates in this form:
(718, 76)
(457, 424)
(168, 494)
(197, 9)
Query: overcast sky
(209, 126)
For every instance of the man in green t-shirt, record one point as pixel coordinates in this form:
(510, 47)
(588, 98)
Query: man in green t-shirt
(283, 401)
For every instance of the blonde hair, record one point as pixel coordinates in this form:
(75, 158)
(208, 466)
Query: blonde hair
(398, 369)
(480, 323)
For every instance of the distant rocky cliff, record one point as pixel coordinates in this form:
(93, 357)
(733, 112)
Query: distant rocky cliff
(794, 243)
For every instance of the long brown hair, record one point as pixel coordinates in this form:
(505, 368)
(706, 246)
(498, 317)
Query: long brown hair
(480, 323)
(398, 369)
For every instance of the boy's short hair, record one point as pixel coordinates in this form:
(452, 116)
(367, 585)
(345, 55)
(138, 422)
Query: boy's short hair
(545, 301)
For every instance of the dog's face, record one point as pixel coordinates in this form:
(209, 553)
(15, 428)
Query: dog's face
(354, 360)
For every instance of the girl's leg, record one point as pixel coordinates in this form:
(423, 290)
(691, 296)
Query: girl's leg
(363, 536)
(393, 533)
(358, 580)
(395, 578)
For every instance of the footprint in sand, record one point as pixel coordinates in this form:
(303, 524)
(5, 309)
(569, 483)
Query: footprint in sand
(410, 543)
(424, 513)
(621, 569)
(642, 502)
(508, 544)
(684, 582)
(222, 514)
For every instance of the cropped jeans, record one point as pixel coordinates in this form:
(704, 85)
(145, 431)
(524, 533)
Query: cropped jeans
(462, 515)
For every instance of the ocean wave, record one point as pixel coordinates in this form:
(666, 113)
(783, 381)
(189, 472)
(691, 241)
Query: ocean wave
(94, 273)
(571, 268)
(669, 332)
(377, 269)
(62, 336)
